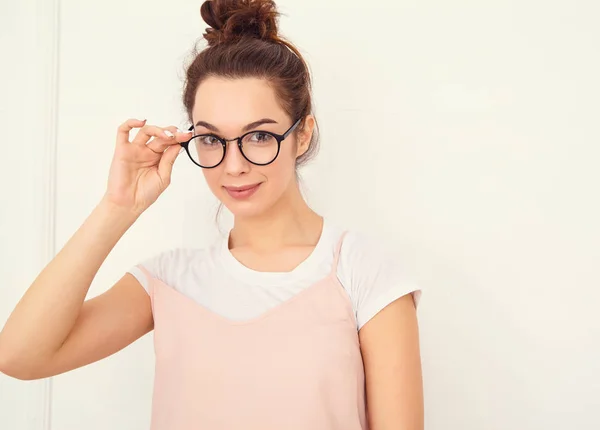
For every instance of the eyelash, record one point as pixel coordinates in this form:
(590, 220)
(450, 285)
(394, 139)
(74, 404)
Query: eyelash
(263, 133)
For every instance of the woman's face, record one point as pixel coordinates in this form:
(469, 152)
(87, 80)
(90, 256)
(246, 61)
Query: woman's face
(225, 107)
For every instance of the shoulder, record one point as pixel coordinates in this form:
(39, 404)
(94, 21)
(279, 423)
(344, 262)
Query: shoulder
(357, 245)
(172, 265)
(365, 254)
(372, 271)
(163, 264)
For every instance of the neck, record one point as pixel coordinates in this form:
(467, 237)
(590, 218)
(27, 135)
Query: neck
(290, 221)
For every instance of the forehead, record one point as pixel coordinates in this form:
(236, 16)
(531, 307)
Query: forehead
(235, 102)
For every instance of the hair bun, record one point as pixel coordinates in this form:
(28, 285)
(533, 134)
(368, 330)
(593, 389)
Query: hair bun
(230, 20)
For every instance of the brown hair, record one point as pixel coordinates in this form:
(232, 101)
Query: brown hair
(243, 41)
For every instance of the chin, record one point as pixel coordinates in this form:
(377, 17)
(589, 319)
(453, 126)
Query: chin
(245, 208)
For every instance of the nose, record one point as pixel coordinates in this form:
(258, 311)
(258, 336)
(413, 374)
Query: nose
(234, 163)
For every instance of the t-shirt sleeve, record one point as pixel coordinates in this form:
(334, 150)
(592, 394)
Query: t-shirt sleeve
(157, 266)
(374, 276)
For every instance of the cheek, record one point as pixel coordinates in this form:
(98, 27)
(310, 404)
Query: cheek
(277, 175)
(283, 169)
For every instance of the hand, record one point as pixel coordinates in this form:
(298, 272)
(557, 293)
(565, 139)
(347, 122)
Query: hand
(141, 171)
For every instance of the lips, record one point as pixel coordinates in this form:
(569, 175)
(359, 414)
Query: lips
(240, 192)
(240, 188)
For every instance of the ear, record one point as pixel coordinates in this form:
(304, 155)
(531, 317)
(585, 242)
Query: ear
(305, 135)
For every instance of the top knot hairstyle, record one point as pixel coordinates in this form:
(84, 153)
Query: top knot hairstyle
(231, 20)
(244, 41)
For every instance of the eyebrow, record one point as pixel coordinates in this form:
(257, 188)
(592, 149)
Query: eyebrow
(246, 128)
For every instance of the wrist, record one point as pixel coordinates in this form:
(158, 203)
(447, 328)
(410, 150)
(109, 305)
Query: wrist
(123, 212)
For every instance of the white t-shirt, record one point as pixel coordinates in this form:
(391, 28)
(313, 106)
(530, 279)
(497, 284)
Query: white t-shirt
(371, 275)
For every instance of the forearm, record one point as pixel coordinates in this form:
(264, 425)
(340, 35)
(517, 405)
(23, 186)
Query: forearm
(46, 313)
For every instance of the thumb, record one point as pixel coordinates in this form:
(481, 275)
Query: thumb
(165, 165)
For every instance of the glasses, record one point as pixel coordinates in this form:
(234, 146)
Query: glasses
(257, 146)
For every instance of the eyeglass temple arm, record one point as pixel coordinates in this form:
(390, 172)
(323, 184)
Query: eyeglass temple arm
(286, 134)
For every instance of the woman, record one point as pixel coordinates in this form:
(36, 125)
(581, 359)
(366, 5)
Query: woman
(288, 322)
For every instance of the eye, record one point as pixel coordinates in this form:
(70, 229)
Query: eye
(259, 137)
(209, 140)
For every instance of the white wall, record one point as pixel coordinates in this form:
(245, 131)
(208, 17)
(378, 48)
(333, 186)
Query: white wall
(28, 113)
(463, 132)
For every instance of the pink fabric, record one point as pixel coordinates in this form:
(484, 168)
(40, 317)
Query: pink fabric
(296, 366)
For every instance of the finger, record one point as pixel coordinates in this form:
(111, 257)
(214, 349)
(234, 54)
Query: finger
(160, 144)
(124, 129)
(183, 136)
(149, 131)
(165, 165)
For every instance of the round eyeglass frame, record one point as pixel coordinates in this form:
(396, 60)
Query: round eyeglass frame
(278, 137)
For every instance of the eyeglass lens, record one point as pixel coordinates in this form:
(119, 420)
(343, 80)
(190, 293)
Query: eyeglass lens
(257, 147)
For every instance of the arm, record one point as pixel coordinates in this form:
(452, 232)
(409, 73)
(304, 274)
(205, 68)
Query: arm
(52, 330)
(391, 355)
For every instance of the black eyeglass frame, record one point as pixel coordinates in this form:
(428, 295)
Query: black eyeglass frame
(278, 137)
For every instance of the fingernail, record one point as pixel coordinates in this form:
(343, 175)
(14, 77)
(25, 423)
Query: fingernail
(168, 133)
